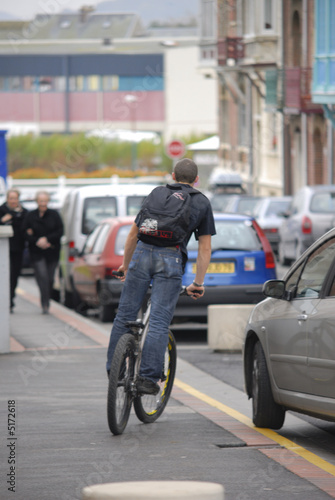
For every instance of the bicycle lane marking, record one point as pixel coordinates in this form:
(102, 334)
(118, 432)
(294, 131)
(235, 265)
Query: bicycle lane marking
(293, 457)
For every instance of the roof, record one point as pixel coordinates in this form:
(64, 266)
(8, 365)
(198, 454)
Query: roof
(209, 144)
(74, 26)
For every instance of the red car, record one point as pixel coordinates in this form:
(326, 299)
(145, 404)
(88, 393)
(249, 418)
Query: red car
(92, 269)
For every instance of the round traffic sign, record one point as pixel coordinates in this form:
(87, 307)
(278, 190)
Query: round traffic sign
(175, 149)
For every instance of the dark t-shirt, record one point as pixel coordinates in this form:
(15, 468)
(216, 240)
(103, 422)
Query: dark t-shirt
(201, 219)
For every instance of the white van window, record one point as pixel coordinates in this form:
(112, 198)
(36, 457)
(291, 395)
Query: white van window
(97, 209)
(134, 204)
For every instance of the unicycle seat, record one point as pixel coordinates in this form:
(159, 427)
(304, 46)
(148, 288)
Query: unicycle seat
(136, 325)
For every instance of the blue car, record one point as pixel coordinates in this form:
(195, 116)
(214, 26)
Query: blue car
(242, 260)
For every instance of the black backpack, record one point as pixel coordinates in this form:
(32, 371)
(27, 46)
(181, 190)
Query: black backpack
(165, 215)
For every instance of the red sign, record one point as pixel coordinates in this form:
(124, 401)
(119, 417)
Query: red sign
(175, 149)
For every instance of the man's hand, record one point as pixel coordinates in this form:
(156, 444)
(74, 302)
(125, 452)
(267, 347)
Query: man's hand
(195, 292)
(122, 270)
(43, 243)
(6, 218)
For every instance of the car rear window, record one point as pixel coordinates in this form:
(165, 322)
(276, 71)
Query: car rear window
(231, 235)
(247, 206)
(323, 203)
(120, 239)
(97, 209)
(277, 207)
(219, 202)
(134, 204)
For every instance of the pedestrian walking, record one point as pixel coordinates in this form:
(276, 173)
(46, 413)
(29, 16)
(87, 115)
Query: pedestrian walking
(13, 214)
(43, 229)
(153, 255)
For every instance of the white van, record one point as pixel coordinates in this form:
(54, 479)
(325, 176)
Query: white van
(83, 208)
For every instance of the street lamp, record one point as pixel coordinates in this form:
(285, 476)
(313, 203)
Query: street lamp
(131, 100)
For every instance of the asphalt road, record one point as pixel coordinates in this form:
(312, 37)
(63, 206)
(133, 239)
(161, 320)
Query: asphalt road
(65, 444)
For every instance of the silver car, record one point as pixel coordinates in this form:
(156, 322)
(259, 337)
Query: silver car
(310, 215)
(268, 213)
(289, 349)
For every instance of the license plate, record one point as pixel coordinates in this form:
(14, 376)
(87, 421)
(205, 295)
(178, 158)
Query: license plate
(218, 268)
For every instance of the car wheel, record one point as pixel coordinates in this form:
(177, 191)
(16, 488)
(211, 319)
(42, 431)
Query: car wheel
(106, 313)
(265, 411)
(283, 261)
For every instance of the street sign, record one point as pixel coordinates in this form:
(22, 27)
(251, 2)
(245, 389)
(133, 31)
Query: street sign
(175, 149)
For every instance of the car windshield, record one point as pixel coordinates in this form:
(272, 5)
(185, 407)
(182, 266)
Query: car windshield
(231, 235)
(323, 203)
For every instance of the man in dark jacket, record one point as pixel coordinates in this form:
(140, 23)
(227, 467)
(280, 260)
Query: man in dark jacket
(13, 214)
(43, 228)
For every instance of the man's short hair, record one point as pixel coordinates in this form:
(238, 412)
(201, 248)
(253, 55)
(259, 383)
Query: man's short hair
(16, 191)
(185, 170)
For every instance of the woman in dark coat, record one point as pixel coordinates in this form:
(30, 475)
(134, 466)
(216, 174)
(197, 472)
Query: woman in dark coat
(43, 229)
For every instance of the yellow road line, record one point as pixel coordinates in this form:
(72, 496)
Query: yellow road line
(282, 441)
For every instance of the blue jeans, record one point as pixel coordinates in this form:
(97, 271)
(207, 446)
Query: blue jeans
(162, 266)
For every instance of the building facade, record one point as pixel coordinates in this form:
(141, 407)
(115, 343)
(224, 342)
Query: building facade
(275, 102)
(70, 73)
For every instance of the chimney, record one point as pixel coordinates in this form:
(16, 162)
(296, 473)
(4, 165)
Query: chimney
(84, 11)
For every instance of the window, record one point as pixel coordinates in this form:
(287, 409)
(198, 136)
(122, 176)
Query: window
(314, 272)
(323, 203)
(88, 247)
(249, 20)
(77, 83)
(101, 239)
(231, 235)
(268, 15)
(208, 19)
(110, 82)
(134, 204)
(93, 82)
(97, 209)
(120, 239)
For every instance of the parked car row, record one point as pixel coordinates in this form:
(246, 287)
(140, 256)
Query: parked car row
(82, 210)
(310, 215)
(242, 260)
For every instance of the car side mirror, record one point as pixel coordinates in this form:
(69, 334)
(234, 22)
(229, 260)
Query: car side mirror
(274, 289)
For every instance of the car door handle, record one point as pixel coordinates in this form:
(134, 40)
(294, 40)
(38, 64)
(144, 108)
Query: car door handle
(302, 317)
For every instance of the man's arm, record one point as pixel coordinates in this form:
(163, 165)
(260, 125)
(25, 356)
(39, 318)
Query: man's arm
(129, 249)
(203, 260)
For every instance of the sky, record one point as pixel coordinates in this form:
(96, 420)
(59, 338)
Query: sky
(27, 9)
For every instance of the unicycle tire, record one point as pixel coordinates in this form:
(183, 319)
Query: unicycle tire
(147, 407)
(119, 399)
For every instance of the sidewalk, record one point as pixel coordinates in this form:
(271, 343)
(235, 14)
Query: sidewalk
(55, 380)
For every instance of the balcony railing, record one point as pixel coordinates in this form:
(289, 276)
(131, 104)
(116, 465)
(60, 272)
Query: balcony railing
(230, 48)
(291, 88)
(298, 90)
